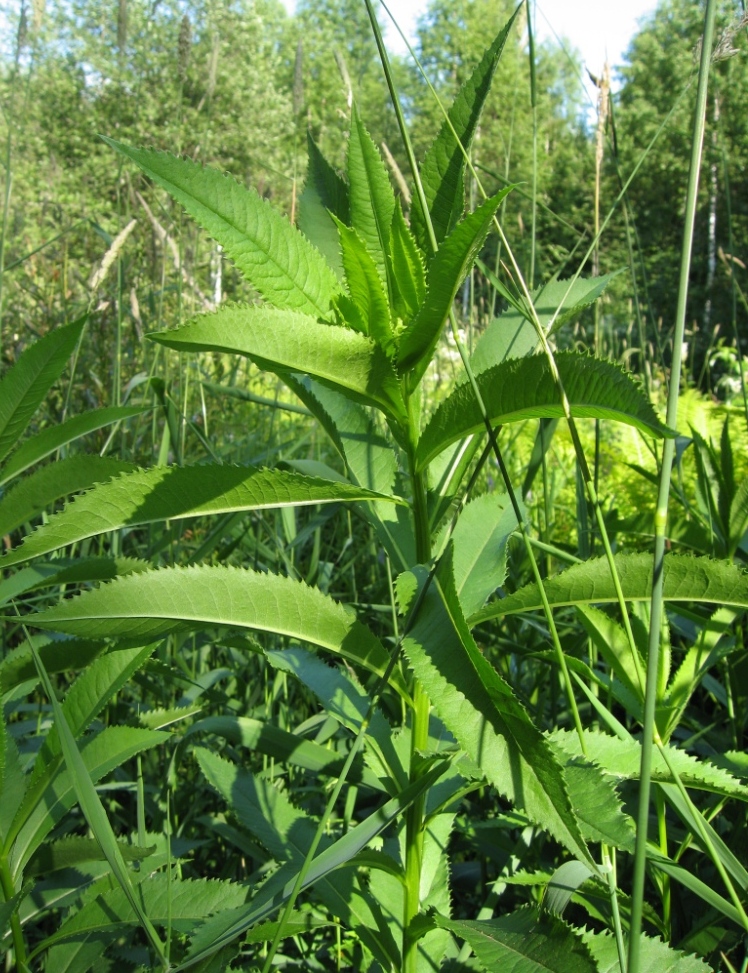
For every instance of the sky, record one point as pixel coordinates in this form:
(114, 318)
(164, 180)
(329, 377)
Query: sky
(595, 27)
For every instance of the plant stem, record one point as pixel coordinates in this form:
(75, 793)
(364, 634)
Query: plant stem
(668, 453)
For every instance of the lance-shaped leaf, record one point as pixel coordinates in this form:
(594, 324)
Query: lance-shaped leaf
(279, 262)
(38, 491)
(521, 942)
(524, 388)
(156, 602)
(25, 385)
(408, 273)
(325, 193)
(366, 288)
(371, 197)
(655, 955)
(444, 165)
(176, 493)
(447, 270)
(57, 655)
(478, 707)
(685, 579)
(64, 571)
(282, 342)
(46, 442)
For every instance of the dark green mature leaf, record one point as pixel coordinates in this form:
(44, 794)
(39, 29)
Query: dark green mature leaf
(446, 271)
(12, 779)
(655, 956)
(444, 164)
(282, 342)
(686, 579)
(73, 851)
(325, 193)
(480, 710)
(46, 442)
(156, 602)
(176, 493)
(58, 655)
(24, 386)
(366, 288)
(523, 943)
(513, 335)
(524, 388)
(26, 500)
(63, 571)
(275, 258)
(372, 200)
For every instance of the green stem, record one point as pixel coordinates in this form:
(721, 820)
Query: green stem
(19, 945)
(668, 453)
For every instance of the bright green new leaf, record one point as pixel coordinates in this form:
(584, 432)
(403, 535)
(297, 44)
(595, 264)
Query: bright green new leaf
(442, 170)
(46, 442)
(37, 492)
(24, 386)
(176, 493)
(325, 193)
(282, 342)
(686, 579)
(524, 388)
(480, 539)
(408, 272)
(177, 599)
(277, 260)
(446, 271)
(522, 942)
(366, 288)
(371, 197)
(655, 956)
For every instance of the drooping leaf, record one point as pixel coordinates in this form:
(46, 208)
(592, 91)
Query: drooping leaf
(282, 342)
(521, 942)
(273, 256)
(480, 710)
(446, 271)
(37, 492)
(46, 442)
(444, 164)
(371, 197)
(524, 388)
(325, 193)
(178, 599)
(24, 386)
(685, 578)
(175, 493)
(366, 288)
(513, 335)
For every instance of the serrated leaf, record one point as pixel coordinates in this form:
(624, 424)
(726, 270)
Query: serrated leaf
(621, 759)
(654, 957)
(480, 539)
(444, 164)
(521, 942)
(74, 851)
(408, 273)
(63, 572)
(325, 193)
(12, 779)
(524, 388)
(282, 342)
(176, 493)
(480, 710)
(372, 200)
(58, 655)
(738, 518)
(685, 579)
(26, 500)
(596, 803)
(366, 288)
(272, 255)
(46, 442)
(446, 271)
(513, 335)
(24, 386)
(177, 599)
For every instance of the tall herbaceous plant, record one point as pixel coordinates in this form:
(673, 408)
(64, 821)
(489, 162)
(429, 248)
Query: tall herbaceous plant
(353, 303)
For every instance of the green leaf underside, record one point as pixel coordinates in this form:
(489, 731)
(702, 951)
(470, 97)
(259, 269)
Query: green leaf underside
(156, 602)
(282, 341)
(479, 708)
(24, 386)
(525, 389)
(38, 491)
(446, 271)
(686, 579)
(47, 441)
(279, 262)
(175, 493)
(513, 335)
(522, 943)
(444, 164)
(621, 759)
